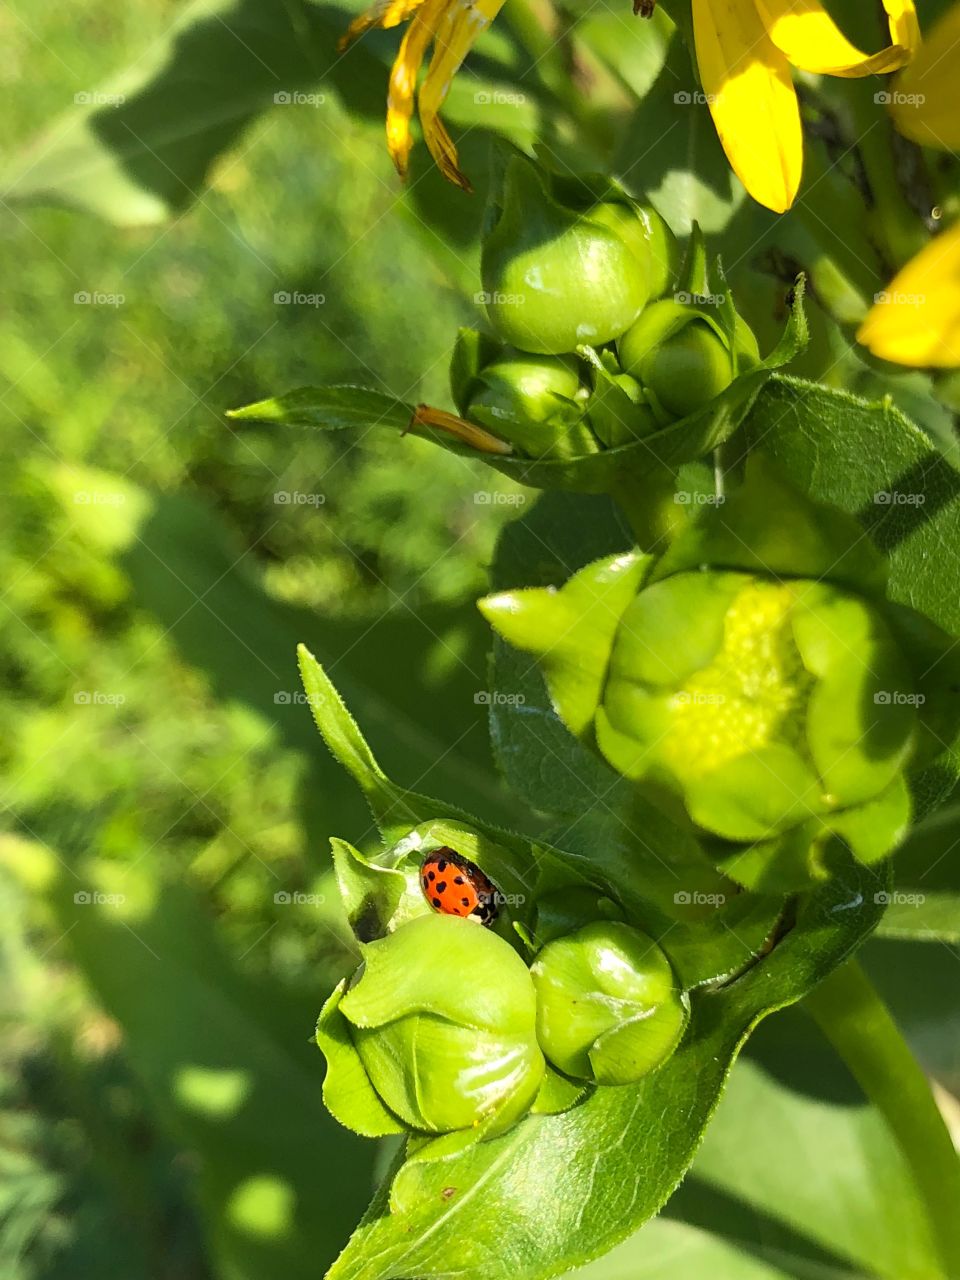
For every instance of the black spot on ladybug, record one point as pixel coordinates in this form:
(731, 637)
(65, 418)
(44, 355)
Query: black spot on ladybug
(431, 875)
(442, 886)
(441, 865)
(458, 879)
(465, 901)
(436, 903)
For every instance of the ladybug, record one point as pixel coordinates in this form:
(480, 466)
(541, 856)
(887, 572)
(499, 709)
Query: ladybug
(455, 886)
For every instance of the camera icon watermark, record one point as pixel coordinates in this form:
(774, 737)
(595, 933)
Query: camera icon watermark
(498, 98)
(695, 898)
(294, 498)
(694, 98)
(895, 498)
(495, 698)
(898, 899)
(93, 898)
(97, 498)
(689, 498)
(699, 299)
(492, 498)
(897, 298)
(96, 98)
(898, 698)
(285, 898)
(294, 98)
(98, 698)
(297, 298)
(499, 299)
(98, 298)
(893, 98)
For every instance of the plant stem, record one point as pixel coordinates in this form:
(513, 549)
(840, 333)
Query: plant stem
(852, 1016)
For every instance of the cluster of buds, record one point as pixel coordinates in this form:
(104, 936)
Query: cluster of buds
(600, 336)
(453, 1025)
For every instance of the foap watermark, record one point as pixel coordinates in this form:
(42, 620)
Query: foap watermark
(294, 898)
(694, 98)
(892, 98)
(98, 498)
(898, 698)
(694, 898)
(499, 98)
(294, 698)
(491, 498)
(98, 298)
(98, 698)
(693, 498)
(700, 299)
(896, 498)
(499, 299)
(697, 698)
(296, 298)
(495, 698)
(897, 298)
(296, 98)
(897, 899)
(94, 898)
(97, 98)
(294, 498)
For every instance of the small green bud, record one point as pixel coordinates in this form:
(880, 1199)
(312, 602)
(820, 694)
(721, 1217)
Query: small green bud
(535, 402)
(680, 356)
(442, 1020)
(608, 1005)
(559, 271)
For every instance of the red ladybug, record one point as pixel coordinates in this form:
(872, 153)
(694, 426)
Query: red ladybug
(456, 887)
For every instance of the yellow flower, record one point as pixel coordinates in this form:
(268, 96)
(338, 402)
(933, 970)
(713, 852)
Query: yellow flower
(916, 320)
(745, 49)
(453, 27)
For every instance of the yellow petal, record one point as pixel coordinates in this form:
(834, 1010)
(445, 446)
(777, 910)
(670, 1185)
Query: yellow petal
(384, 14)
(752, 99)
(810, 39)
(462, 23)
(924, 99)
(916, 320)
(403, 80)
(904, 27)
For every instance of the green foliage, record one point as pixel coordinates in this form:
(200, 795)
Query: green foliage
(171, 921)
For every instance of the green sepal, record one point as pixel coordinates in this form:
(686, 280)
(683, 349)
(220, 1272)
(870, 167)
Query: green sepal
(557, 1094)
(347, 1092)
(371, 894)
(767, 526)
(397, 979)
(472, 352)
(571, 630)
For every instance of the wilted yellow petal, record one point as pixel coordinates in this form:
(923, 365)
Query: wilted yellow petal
(916, 320)
(462, 23)
(403, 80)
(752, 99)
(925, 101)
(810, 39)
(904, 28)
(384, 14)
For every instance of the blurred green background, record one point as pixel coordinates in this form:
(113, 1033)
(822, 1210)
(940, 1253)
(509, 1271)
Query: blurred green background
(167, 924)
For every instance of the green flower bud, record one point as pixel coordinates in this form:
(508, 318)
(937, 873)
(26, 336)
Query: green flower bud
(535, 402)
(680, 356)
(778, 697)
(561, 267)
(436, 1033)
(608, 1006)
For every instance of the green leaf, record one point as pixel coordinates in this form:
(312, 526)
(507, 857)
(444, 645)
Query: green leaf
(330, 408)
(618, 1155)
